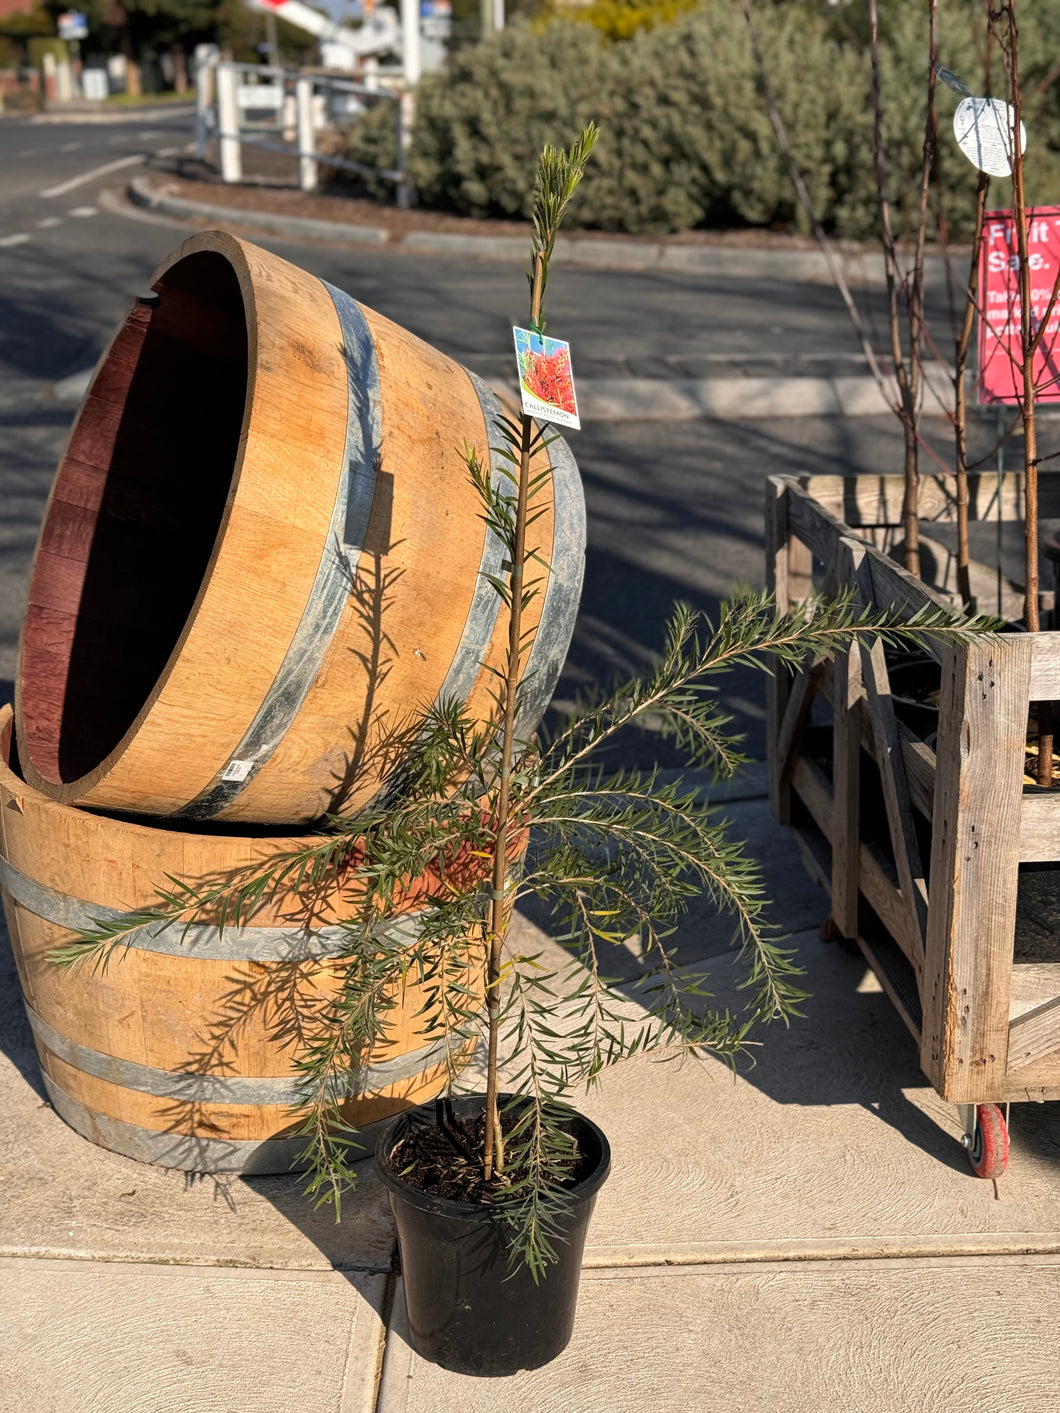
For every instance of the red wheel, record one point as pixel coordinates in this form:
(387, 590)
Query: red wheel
(988, 1154)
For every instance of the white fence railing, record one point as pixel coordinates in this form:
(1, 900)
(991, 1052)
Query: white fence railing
(282, 110)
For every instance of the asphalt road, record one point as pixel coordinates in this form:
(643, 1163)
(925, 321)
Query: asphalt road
(674, 508)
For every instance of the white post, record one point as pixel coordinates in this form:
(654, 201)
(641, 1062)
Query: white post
(204, 72)
(410, 41)
(48, 65)
(303, 100)
(498, 14)
(228, 123)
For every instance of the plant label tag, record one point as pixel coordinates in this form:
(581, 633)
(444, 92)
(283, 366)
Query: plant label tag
(546, 383)
(984, 128)
(237, 770)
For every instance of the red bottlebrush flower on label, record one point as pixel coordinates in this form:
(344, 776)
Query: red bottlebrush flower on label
(548, 377)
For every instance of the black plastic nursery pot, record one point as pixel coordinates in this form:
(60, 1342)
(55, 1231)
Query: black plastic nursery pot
(466, 1310)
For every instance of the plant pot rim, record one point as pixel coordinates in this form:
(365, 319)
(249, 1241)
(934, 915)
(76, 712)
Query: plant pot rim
(474, 1211)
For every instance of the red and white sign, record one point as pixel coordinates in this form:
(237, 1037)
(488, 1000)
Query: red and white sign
(1000, 379)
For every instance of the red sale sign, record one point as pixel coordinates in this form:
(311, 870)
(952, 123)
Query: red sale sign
(1000, 379)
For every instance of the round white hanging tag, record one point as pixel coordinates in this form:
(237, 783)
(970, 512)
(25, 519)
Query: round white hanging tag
(983, 128)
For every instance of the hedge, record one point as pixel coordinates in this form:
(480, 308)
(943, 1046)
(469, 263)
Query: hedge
(685, 137)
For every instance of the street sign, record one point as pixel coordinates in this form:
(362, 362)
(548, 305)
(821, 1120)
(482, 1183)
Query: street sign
(72, 25)
(1000, 379)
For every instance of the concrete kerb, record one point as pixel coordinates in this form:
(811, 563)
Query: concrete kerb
(861, 268)
(142, 193)
(87, 113)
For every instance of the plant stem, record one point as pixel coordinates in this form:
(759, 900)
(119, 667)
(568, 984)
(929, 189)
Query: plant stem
(905, 376)
(1028, 346)
(493, 1155)
(960, 419)
(1030, 436)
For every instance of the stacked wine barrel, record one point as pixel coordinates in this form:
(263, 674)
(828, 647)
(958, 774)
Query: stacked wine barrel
(261, 560)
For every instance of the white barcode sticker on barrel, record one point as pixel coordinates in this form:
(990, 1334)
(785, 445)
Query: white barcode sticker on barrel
(237, 770)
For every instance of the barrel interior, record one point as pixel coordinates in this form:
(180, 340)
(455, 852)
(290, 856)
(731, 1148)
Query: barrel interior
(134, 515)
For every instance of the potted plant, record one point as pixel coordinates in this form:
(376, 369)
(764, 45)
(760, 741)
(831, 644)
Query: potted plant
(492, 1192)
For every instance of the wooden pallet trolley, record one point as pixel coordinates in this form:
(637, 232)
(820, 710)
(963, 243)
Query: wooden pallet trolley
(932, 846)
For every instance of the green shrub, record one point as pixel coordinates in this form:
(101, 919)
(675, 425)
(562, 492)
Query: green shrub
(686, 139)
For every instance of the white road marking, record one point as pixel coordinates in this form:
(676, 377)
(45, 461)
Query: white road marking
(64, 187)
(49, 221)
(83, 211)
(71, 146)
(18, 239)
(149, 134)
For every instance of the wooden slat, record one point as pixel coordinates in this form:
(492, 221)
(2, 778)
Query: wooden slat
(1040, 826)
(1044, 684)
(815, 866)
(876, 885)
(846, 794)
(974, 865)
(777, 501)
(816, 527)
(1024, 1093)
(800, 701)
(800, 571)
(1033, 1036)
(887, 585)
(846, 776)
(919, 758)
(895, 588)
(877, 500)
(815, 792)
(891, 764)
(1033, 984)
(886, 900)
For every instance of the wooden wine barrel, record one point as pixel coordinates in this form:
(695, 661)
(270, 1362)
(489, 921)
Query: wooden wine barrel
(181, 1052)
(262, 554)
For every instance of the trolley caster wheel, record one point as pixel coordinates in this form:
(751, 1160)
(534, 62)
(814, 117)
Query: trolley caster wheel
(987, 1144)
(830, 932)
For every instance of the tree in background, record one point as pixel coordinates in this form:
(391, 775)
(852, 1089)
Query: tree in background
(145, 30)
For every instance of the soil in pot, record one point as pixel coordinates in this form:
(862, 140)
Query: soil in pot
(468, 1309)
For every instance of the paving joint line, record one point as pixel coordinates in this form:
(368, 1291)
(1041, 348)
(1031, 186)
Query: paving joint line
(941, 1260)
(870, 1252)
(233, 1263)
